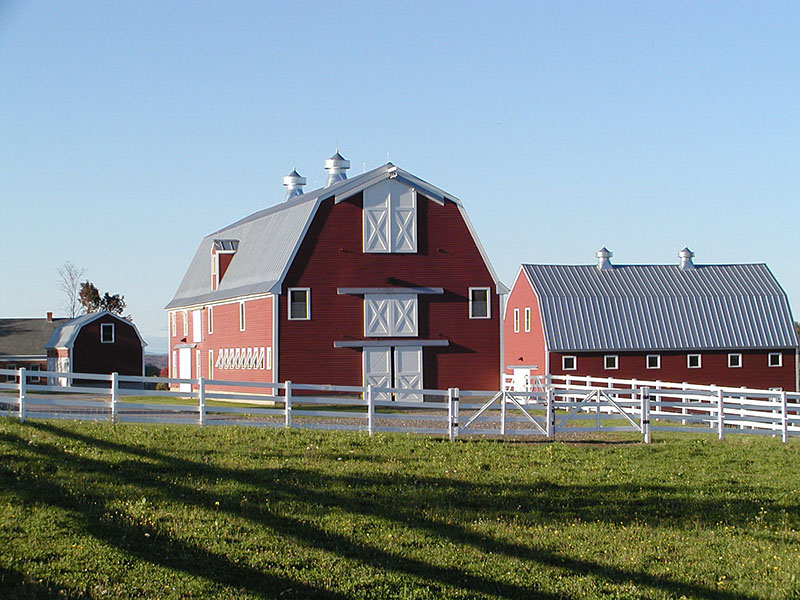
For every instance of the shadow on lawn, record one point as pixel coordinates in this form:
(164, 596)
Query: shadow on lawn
(426, 501)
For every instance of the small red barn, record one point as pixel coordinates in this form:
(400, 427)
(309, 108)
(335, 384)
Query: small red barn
(727, 325)
(376, 279)
(99, 342)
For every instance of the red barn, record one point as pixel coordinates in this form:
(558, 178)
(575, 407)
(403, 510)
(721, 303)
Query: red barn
(728, 325)
(376, 279)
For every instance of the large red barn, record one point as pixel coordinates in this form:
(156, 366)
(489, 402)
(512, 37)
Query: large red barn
(375, 279)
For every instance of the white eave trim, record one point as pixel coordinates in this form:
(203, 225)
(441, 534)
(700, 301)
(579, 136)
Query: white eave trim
(389, 290)
(388, 342)
(427, 190)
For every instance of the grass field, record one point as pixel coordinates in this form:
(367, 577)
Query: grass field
(127, 511)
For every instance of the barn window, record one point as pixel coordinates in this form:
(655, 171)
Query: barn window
(527, 318)
(734, 361)
(569, 363)
(611, 362)
(390, 315)
(241, 316)
(775, 359)
(210, 319)
(34, 379)
(107, 333)
(173, 320)
(186, 322)
(300, 304)
(653, 361)
(197, 326)
(516, 320)
(390, 218)
(11, 367)
(693, 361)
(479, 304)
(211, 364)
(197, 364)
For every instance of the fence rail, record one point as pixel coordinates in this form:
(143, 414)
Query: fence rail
(557, 405)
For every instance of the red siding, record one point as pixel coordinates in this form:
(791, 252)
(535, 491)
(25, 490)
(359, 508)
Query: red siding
(331, 256)
(754, 372)
(124, 355)
(524, 348)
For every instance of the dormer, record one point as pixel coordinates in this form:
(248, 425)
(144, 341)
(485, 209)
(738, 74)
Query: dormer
(222, 252)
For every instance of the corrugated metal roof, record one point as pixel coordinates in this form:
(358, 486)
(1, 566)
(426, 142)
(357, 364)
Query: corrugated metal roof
(65, 335)
(26, 337)
(269, 239)
(661, 307)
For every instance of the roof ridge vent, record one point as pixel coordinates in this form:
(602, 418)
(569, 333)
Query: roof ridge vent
(686, 257)
(336, 166)
(294, 183)
(604, 259)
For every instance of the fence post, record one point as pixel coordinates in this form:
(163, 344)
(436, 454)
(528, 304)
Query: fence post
(201, 400)
(114, 395)
(551, 418)
(720, 415)
(502, 413)
(288, 404)
(370, 410)
(784, 418)
(22, 394)
(452, 409)
(645, 416)
(684, 410)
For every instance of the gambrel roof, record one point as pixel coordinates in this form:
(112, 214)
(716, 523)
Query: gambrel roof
(65, 335)
(269, 239)
(661, 307)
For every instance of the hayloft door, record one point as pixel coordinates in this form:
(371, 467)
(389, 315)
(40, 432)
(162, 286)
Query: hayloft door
(185, 368)
(378, 369)
(408, 371)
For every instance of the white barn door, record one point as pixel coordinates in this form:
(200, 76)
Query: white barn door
(185, 368)
(378, 369)
(408, 371)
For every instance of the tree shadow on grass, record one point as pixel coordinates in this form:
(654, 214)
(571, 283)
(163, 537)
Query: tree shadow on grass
(14, 585)
(370, 496)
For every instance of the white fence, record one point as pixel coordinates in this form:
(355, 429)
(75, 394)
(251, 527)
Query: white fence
(558, 405)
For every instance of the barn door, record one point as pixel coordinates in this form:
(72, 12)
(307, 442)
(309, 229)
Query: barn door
(378, 369)
(185, 368)
(408, 371)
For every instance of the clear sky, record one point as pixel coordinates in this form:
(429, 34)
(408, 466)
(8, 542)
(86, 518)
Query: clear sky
(129, 130)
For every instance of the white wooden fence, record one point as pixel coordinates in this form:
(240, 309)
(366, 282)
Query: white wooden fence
(558, 405)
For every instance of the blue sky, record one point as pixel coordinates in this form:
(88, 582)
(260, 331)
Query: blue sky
(129, 130)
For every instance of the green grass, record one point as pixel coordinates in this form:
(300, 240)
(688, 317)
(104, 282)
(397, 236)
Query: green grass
(127, 511)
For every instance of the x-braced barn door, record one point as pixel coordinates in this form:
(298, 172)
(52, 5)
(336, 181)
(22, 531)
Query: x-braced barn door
(400, 367)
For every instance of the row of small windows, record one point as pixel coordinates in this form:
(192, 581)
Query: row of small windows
(653, 361)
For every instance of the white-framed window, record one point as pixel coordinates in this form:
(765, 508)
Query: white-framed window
(107, 333)
(734, 360)
(173, 364)
(653, 361)
(269, 358)
(173, 318)
(693, 361)
(516, 320)
(210, 319)
(197, 364)
(387, 315)
(775, 359)
(610, 362)
(214, 270)
(211, 364)
(299, 304)
(197, 326)
(390, 218)
(479, 305)
(241, 316)
(569, 363)
(527, 319)
(34, 379)
(185, 322)
(11, 378)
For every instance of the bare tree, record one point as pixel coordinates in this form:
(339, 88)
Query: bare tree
(69, 283)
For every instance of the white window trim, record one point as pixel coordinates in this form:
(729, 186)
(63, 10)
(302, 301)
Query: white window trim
(699, 364)
(574, 366)
(174, 323)
(211, 364)
(488, 302)
(780, 359)
(738, 359)
(516, 320)
(113, 333)
(308, 304)
(185, 322)
(616, 362)
(242, 316)
(210, 316)
(11, 367)
(527, 319)
(647, 361)
(198, 363)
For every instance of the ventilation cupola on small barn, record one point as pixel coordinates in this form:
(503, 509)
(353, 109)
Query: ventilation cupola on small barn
(336, 166)
(686, 257)
(604, 259)
(294, 183)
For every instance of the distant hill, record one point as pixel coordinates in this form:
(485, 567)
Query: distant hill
(157, 360)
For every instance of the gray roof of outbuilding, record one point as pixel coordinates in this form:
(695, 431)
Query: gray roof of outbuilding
(65, 335)
(26, 337)
(268, 240)
(661, 307)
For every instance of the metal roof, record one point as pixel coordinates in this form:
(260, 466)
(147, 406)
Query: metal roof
(66, 334)
(270, 238)
(26, 337)
(661, 307)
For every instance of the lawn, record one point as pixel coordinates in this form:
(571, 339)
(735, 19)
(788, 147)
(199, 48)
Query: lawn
(93, 510)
